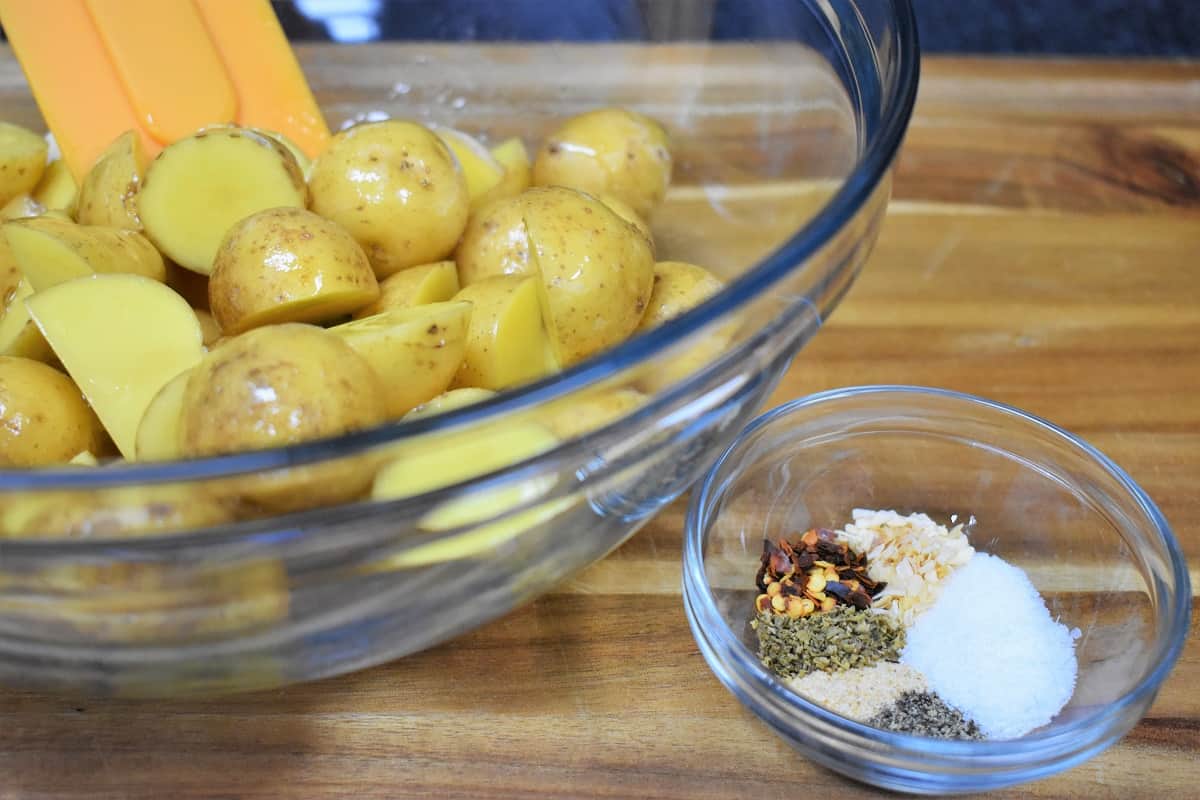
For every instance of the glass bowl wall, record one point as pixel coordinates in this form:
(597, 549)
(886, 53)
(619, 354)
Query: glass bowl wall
(784, 149)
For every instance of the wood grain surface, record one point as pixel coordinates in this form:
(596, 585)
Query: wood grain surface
(1042, 249)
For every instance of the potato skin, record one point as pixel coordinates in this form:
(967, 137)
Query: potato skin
(43, 416)
(114, 513)
(397, 189)
(678, 287)
(495, 242)
(274, 386)
(608, 151)
(596, 271)
(22, 161)
(288, 265)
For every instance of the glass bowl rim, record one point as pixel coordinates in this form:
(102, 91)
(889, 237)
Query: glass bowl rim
(1060, 741)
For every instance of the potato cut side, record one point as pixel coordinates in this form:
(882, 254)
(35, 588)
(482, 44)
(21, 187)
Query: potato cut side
(416, 352)
(507, 343)
(50, 251)
(121, 337)
(108, 194)
(22, 161)
(21, 207)
(198, 187)
(415, 286)
(158, 432)
(576, 416)
(56, 190)
(449, 401)
(19, 335)
(481, 169)
(460, 458)
(514, 158)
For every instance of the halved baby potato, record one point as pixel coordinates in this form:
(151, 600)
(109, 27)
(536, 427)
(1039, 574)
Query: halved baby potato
(288, 265)
(197, 188)
(50, 251)
(416, 352)
(108, 194)
(507, 343)
(56, 191)
(22, 161)
(19, 334)
(496, 242)
(158, 432)
(43, 417)
(121, 338)
(480, 168)
(415, 286)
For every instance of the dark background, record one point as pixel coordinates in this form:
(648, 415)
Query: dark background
(1036, 27)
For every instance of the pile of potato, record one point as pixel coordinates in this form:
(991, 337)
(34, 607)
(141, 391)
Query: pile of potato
(230, 295)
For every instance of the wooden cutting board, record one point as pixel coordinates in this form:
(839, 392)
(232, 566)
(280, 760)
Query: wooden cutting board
(1042, 249)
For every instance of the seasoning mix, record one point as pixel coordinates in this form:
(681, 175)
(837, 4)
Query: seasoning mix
(898, 622)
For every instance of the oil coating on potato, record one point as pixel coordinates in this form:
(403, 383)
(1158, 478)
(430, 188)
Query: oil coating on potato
(108, 194)
(608, 151)
(596, 271)
(274, 386)
(22, 161)
(414, 351)
(51, 251)
(495, 242)
(288, 265)
(415, 286)
(43, 417)
(398, 190)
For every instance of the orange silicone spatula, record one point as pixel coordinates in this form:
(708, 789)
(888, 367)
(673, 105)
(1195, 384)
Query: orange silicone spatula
(164, 68)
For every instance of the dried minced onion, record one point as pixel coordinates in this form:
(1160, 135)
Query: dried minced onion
(913, 554)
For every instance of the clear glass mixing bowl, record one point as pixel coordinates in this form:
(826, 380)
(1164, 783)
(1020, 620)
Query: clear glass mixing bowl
(784, 140)
(1092, 542)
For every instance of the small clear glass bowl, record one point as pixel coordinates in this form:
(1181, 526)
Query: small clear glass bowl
(1091, 541)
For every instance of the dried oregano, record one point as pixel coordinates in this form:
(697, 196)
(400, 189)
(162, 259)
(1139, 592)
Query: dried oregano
(840, 639)
(925, 714)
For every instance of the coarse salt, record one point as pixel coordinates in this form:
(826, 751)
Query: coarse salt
(912, 553)
(989, 647)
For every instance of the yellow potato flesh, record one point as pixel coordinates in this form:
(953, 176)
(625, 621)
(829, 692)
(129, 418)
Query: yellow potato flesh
(19, 335)
(108, 194)
(512, 155)
(288, 265)
(56, 190)
(121, 338)
(449, 401)
(576, 416)
(51, 251)
(398, 190)
(21, 207)
(495, 243)
(22, 161)
(481, 170)
(158, 437)
(507, 343)
(608, 151)
(458, 458)
(43, 417)
(415, 286)
(596, 271)
(415, 352)
(197, 188)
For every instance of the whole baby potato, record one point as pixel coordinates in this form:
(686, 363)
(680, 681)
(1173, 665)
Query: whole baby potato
(397, 189)
(495, 242)
(678, 287)
(608, 151)
(288, 265)
(274, 386)
(596, 271)
(43, 416)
